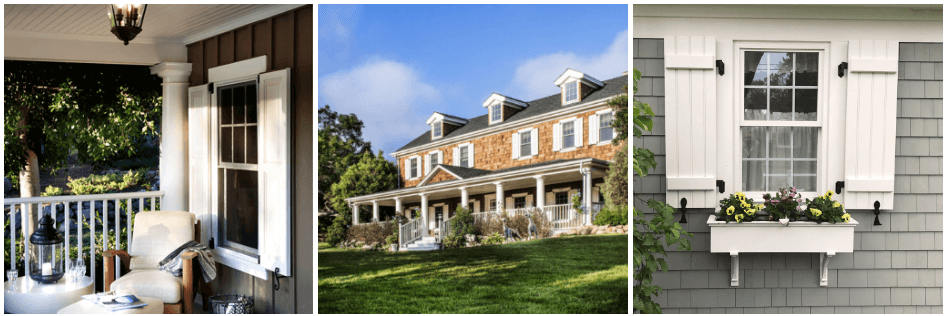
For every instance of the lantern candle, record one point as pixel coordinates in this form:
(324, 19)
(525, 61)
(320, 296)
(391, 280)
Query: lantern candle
(48, 268)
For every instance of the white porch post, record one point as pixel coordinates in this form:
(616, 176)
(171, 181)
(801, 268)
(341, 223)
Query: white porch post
(423, 214)
(540, 191)
(173, 133)
(375, 212)
(499, 195)
(586, 193)
(398, 207)
(354, 214)
(464, 197)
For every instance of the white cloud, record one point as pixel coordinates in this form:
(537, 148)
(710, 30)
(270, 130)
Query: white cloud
(337, 21)
(534, 77)
(387, 95)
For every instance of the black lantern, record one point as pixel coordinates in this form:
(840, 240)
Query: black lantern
(47, 261)
(126, 20)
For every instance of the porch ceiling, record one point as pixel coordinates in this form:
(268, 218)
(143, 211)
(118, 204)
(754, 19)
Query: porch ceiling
(167, 28)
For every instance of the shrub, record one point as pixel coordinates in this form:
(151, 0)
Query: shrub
(52, 191)
(98, 184)
(494, 239)
(337, 232)
(375, 232)
(395, 230)
(612, 216)
(463, 224)
(487, 224)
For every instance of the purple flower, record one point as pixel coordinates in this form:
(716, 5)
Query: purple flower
(774, 201)
(791, 195)
(798, 208)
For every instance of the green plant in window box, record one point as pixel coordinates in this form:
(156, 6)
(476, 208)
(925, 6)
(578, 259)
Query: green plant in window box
(737, 207)
(825, 209)
(785, 204)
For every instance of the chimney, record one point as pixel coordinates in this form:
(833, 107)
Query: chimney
(625, 72)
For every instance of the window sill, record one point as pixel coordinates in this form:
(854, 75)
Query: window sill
(240, 262)
(565, 150)
(526, 157)
(604, 143)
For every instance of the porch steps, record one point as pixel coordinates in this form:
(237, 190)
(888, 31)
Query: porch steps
(423, 244)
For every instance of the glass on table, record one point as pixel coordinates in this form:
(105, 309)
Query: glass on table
(11, 277)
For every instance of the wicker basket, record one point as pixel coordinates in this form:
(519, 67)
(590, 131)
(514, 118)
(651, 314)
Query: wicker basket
(231, 304)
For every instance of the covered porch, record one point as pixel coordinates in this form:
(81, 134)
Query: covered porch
(539, 189)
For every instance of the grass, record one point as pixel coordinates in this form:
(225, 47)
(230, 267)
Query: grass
(574, 274)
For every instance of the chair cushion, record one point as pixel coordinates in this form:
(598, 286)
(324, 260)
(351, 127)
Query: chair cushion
(150, 283)
(156, 234)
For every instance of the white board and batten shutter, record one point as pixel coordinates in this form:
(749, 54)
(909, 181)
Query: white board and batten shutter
(274, 135)
(470, 159)
(870, 142)
(593, 129)
(557, 137)
(690, 84)
(515, 145)
(426, 164)
(549, 198)
(535, 141)
(579, 131)
(200, 170)
(456, 156)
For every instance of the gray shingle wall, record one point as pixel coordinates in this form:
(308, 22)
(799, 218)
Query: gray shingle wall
(896, 267)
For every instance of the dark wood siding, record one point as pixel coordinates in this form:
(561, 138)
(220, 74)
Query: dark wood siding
(286, 40)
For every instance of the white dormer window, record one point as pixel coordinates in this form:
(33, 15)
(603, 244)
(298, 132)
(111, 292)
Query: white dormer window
(438, 130)
(497, 105)
(571, 92)
(437, 121)
(495, 113)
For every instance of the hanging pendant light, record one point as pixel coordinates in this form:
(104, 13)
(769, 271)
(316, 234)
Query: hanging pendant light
(126, 20)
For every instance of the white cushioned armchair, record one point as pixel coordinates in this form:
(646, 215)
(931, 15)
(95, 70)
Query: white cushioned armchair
(156, 234)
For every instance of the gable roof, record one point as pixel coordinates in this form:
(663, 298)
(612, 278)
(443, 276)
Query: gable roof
(612, 87)
(459, 172)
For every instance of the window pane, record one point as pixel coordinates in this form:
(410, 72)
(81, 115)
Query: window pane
(226, 144)
(251, 104)
(780, 69)
(778, 175)
(226, 106)
(806, 104)
(239, 144)
(753, 142)
(780, 142)
(464, 156)
(752, 175)
(239, 105)
(568, 132)
(251, 152)
(433, 160)
(242, 207)
(805, 142)
(525, 144)
(780, 102)
(806, 69)
(755, 104)
(755, 70)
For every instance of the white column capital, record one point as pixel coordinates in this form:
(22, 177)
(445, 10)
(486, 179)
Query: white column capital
(539, 177)
(375, 202)
(173, 72)
(462, 189)
(584, 170)
(498, 183)
(423, 195)
(397, 198)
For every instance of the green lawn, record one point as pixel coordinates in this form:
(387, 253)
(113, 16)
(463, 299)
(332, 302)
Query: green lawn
(575, 274)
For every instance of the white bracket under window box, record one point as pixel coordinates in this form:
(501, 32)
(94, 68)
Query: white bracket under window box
(770, 236)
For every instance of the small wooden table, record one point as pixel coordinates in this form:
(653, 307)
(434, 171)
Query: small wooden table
(31, 297)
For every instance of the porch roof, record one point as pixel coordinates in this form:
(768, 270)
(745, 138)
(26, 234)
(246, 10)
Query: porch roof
(486, 177)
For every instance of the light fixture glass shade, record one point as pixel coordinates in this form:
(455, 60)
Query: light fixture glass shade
(126, 20)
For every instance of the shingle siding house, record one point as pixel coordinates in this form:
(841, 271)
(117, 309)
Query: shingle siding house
(518, 156)
(879, 129)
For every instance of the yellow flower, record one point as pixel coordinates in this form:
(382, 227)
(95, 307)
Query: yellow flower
(745, 205)
(846, 217)
(729, 210)
(816, 212)
(836, 204)
(830, 194)
(750, 211)
(739, 218)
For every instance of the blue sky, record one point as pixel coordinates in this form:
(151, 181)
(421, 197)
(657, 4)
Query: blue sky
(393, 65)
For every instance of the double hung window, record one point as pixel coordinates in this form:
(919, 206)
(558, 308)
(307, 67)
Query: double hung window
(525, 144)
(438, 129)
(414, 163)
(492, 205)
(237, 169)
(780, 125)
(605, 132)
(434, 160)
(568, 134)
(496, 113)
(464, 156)
(519, 202)
(571, 92)
(561, 198)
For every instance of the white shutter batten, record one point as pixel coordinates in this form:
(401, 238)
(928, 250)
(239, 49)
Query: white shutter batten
(869, 148)
(274, 181)
(690, 85)
(470, 157)
(557, 137)
(199, 140)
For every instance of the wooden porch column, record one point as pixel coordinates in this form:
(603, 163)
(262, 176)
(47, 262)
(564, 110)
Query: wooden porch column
(423, 214)
(499, 195)
(375, 212)
(354, 214)
(398, 207)
(464, 197)
(174, 176)
(586, 193)
(539, 191)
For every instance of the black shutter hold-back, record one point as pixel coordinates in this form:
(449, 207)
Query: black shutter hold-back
(877, 213)
(841, 68)
(683, 211)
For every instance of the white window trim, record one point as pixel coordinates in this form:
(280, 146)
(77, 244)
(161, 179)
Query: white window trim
(598, 128)
(491, 121)
(433, 127)
(565, 92)
(519, 134)
(411, 175)
(469, 153)
(429, 161)
(561, 135)
(824, 97)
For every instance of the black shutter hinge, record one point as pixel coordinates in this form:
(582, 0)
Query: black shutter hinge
(838, 186)
(841, 68)
(210, 88)
(721, 185)
(720, 67)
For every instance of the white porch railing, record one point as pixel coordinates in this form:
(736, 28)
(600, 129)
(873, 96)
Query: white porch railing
(446, 228)
(410, 231)
(561, 216)
(51, 205)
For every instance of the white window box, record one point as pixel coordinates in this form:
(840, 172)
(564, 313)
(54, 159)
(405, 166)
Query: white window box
(771, 236)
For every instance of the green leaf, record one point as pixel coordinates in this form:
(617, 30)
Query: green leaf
(663, 264)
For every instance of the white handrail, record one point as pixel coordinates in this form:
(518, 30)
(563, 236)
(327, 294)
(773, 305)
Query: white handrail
(409, 232)
(67, 201)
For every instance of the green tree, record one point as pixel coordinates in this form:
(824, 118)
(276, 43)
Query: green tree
(615, 186)
(371, 174)
(340, 146)
(51, 109)
(648, 234)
